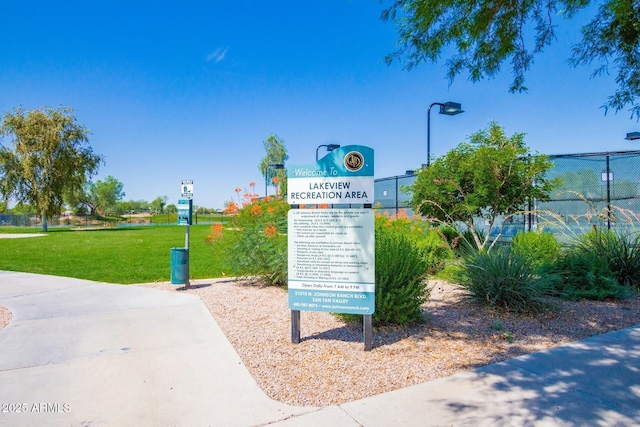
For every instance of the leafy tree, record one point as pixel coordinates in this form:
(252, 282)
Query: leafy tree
(172, 209)
(489, 176)
(486, 34)
(133, 206)
(50, 158)
(100, 197)
(276, 154)
(108, 193)
(22, 209)
(158, 204)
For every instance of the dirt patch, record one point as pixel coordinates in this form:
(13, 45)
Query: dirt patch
(330, 366)
(5, 316)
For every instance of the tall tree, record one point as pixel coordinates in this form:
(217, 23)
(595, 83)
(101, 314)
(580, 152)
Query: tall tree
(50, 158)
(490, 176)
(100, 197)
(276, 154)
(158, 204)
(133, 206)
(485, 34)
(107, 194)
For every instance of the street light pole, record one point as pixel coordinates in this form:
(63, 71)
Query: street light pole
(330, 147)
(448, 109)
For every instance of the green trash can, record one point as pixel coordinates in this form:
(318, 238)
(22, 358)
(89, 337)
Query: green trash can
(179, 266)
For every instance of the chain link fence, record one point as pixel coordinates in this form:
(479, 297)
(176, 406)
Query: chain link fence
(33, 220)
(597, 190)
(389, 197)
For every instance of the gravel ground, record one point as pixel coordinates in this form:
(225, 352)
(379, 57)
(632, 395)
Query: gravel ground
(330, 365)
(5, 316)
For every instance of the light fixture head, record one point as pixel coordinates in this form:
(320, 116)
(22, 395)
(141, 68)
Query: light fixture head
(631, 136)
(451, 108)
(331, 147)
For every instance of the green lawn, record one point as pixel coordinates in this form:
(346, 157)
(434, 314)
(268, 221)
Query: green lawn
(115, 255)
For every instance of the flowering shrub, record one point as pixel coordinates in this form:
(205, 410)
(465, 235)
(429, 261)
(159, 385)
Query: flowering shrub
(255, 244)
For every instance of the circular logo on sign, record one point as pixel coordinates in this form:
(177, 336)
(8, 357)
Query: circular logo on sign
(354, 161)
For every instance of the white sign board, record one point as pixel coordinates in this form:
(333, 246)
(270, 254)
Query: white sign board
(186, 189)
(342, 190)
(332, 260)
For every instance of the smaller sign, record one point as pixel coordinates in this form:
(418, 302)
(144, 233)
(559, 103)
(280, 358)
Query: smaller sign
(186, 189)
(185, 209)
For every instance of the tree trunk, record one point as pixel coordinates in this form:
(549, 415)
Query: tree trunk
(45, 228)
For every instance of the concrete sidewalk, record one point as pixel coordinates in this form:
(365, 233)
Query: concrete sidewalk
(84, 353)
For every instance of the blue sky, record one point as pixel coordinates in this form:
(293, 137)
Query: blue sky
(190, 90)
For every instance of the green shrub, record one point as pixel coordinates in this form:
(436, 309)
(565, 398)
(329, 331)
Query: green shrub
(541, 248)
(401, 287)
(583, 274)
(460, 242)
(253, 252)
(621, 253)
(432, 244)
(434, 249)
(503, 278)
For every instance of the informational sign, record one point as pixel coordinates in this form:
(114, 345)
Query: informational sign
(344, 176)
(185, 210)
(186, 189)
(332, 260)
(332, 251)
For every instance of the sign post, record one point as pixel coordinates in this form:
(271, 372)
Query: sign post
(185, 215)
(332, 251)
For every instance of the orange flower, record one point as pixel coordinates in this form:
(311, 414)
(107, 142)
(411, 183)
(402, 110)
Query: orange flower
(256, 210)
(270, 230)
(238, 189)
(232, 208)
(252, 184)
(216, 230)
(216, 233)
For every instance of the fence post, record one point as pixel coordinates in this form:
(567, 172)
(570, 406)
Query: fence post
(608, 195)
(397, 209)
